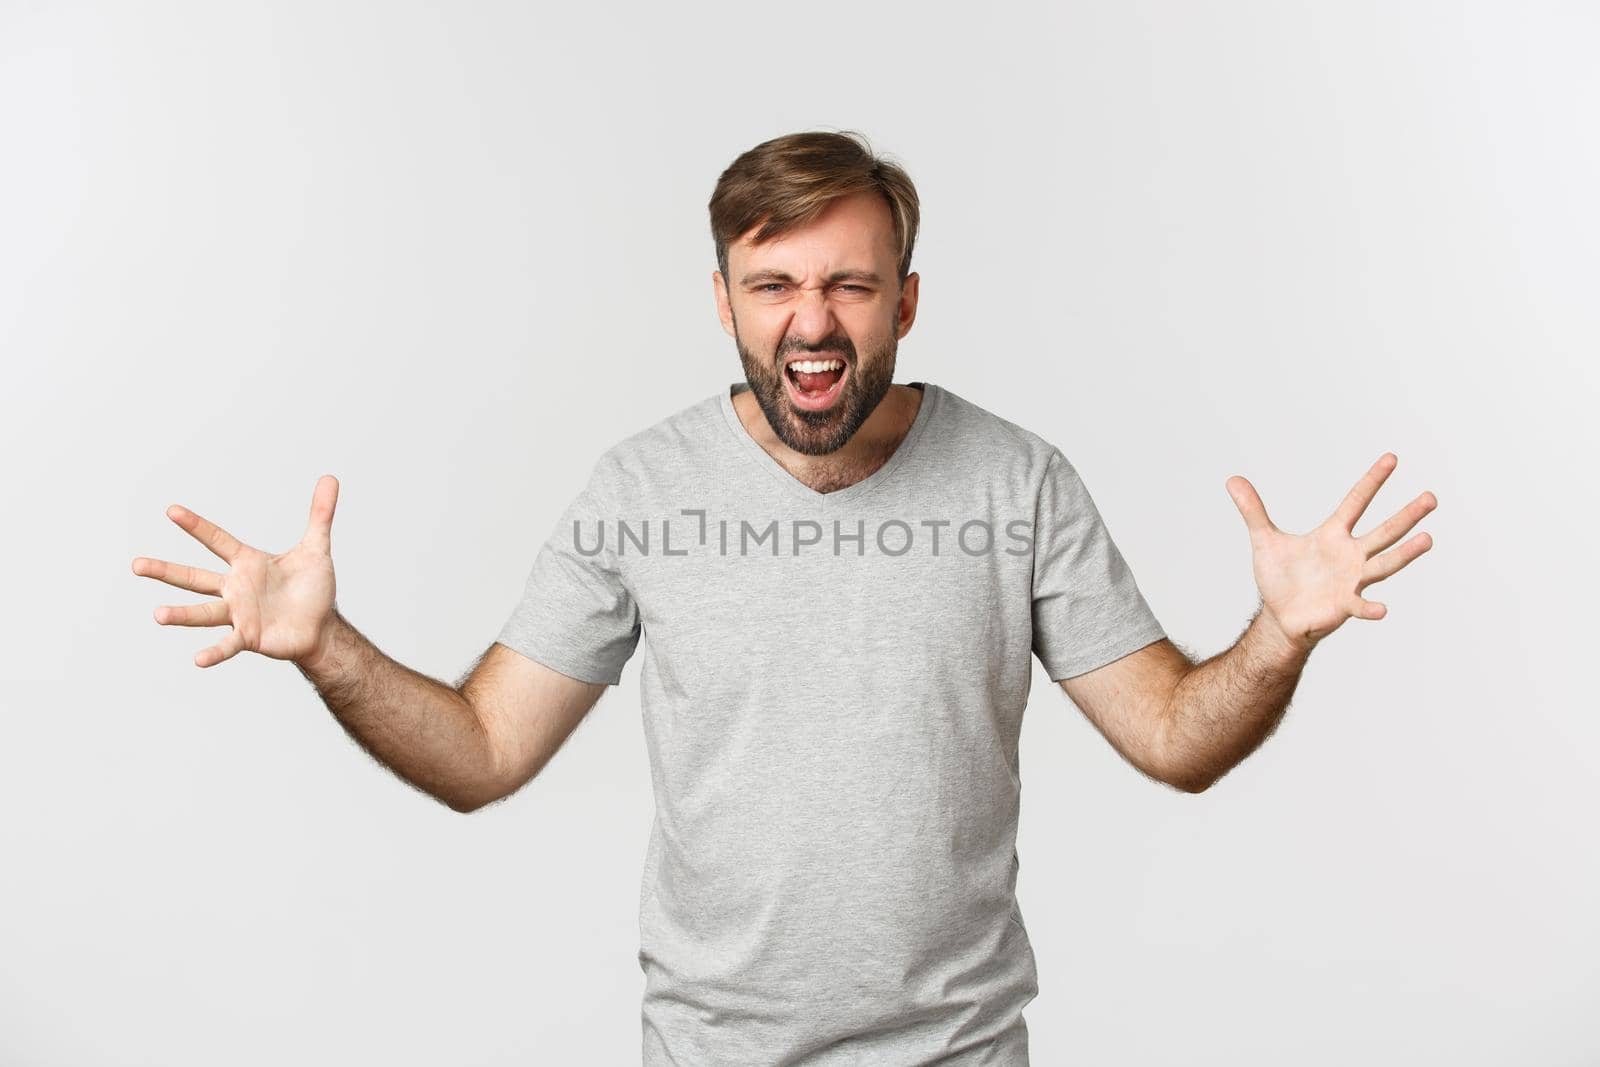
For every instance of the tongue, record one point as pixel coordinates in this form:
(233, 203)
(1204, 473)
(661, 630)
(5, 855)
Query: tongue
(819, 382)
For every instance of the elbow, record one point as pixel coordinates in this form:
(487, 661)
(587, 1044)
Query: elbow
(483, 784)
(1191, 783)
(466, 803)
(466, 806)
(1184, 774)
(1186, 777)
(469, 802)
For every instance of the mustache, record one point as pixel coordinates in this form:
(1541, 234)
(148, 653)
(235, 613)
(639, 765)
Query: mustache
(832, 346)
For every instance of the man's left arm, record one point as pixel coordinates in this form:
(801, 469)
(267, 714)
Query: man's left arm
(1188, 724)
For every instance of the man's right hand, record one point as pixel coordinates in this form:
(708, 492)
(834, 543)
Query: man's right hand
(280, 606)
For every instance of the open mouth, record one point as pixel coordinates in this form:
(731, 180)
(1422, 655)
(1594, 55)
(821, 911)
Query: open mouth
(814, 384)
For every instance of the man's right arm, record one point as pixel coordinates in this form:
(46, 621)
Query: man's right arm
(468, 745)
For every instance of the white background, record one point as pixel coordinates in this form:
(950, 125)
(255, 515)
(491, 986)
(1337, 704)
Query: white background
(451, 255)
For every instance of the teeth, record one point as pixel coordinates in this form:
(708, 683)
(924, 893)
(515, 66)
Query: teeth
(816, 366)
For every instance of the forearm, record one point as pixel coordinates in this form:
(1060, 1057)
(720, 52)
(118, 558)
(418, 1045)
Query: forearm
(421, 729)
(1225, 707)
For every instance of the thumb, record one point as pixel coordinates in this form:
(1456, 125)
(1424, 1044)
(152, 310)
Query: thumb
(1249, 505)
(319, 528)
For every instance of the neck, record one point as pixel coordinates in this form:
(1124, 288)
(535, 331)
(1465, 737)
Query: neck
(867, 450)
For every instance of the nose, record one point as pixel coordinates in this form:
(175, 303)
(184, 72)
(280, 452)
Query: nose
(813, 316)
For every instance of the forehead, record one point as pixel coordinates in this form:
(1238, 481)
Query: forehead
(856, 231)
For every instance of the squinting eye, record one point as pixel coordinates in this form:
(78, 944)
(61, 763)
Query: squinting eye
(857, 288)
(770, 286)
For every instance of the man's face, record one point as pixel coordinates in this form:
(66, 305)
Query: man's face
(826, 297)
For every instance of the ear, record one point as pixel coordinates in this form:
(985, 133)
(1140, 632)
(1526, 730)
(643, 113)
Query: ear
(906, 312)
(719, 289)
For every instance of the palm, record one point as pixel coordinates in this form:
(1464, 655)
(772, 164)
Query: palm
(1311, 583)
(276, 605)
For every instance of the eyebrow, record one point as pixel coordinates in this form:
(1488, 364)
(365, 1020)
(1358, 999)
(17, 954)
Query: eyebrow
(762, 276)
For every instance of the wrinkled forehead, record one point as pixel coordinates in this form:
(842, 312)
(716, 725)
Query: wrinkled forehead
(854, 233)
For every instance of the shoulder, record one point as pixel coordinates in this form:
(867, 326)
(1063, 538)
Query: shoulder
(672, 448)
(975, 431)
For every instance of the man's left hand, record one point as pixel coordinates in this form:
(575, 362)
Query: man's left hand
(1311, 583)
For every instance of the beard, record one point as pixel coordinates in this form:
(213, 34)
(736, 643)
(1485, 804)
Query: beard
(818, 433)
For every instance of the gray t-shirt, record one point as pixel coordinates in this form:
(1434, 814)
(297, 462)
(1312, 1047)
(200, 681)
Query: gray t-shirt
(833, 687)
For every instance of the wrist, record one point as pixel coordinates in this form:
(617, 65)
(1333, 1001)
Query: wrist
(1281, 640)
(321, 653)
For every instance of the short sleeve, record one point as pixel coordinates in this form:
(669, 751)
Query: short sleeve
(1087, 608)
(576, 615)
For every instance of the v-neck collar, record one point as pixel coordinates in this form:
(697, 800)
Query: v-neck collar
(930, 399)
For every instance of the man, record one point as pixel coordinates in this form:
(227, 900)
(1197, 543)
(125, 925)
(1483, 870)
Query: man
(841, 581)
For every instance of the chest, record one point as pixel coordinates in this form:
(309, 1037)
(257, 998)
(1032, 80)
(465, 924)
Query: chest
(836, 600)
